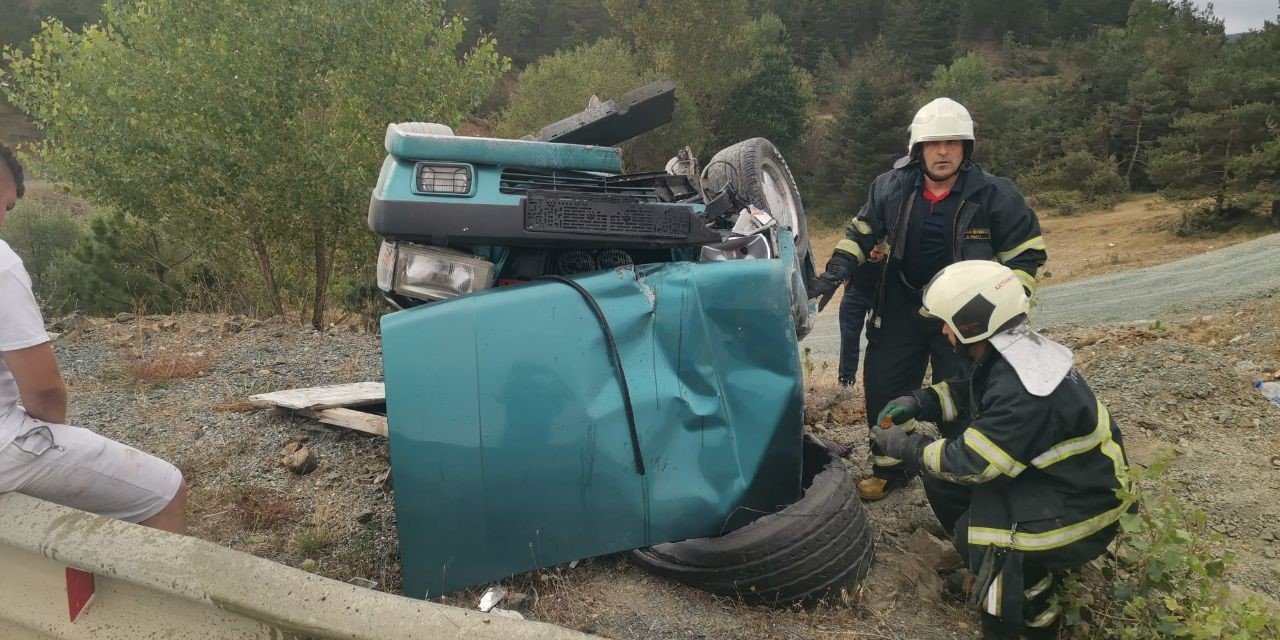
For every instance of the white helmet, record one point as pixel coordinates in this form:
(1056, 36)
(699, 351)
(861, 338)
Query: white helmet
(942, 119)
(975, 298)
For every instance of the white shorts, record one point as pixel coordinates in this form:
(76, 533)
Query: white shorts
(78, 468)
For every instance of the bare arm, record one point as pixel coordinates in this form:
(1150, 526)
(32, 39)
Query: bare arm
(35, 369)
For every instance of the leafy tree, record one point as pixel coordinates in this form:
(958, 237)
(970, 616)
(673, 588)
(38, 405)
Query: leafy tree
(560, 85)
(826, 77)
(870, 129)
(772, 101)
(991, 19)
(516, 22)
(1007, 116)
(923, 32)
(1227, 145)
(1129, 84)
(218, 121)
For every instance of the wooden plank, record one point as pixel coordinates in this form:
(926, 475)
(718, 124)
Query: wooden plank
(327, 397)
(350, 419)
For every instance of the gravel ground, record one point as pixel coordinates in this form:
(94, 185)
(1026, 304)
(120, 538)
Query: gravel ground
(1216, 280)
(1184, 386)
(1213, 281)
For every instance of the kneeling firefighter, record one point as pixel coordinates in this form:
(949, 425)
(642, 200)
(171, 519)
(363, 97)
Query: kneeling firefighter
(1028, 489)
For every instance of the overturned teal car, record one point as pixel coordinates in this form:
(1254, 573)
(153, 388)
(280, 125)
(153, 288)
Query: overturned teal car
(589, 362)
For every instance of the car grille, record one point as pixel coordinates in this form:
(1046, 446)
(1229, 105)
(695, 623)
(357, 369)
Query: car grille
(599, 214)
(520, 181)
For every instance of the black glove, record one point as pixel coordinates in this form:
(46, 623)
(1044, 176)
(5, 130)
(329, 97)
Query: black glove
(824, 286)
(896, 443)
(899, 410)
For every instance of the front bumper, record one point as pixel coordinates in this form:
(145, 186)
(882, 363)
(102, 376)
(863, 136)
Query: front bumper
(542, 219)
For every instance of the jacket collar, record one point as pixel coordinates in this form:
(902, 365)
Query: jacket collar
(975, 178)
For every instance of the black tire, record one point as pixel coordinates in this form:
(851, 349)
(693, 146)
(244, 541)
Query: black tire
(810, 550)
(755, 168)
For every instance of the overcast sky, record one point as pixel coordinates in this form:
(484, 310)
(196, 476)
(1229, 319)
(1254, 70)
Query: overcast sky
(1243, 15)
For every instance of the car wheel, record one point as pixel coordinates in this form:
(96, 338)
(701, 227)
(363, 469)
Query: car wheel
(809, 550)
(758, 172)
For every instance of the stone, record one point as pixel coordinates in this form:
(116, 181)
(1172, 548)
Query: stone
(232, 326)
(70, 322)
(519, 602)
(938, 554)
(301, 462)
(169, 325)
(364, 516)
(125, 317)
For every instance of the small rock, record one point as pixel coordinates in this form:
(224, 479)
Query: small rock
(300, 462)
(364, 516)
(124, 317)
(1271, 553)
(519, 602)
(1275, 461)
(169, 325)
(257, 538)
(232, 326)
(69, 322)
(940, 555)
(1267, 537)
(1221, 528)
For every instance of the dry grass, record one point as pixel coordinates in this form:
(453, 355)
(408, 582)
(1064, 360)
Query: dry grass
(170, 367)
(232, 404)
(250, 507)
(325, 529)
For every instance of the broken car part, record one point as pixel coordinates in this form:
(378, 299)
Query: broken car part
(510, 442)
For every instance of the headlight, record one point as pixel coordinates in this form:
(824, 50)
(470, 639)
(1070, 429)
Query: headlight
(431, 273)
(386, 264)
(444, 179)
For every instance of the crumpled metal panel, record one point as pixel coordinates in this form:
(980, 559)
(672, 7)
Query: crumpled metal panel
(510, 447)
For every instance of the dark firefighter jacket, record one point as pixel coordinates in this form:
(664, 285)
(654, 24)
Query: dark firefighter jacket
(992, 222)
(1055, 460)
(1043, 470)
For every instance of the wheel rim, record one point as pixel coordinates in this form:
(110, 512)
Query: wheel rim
(779, 200)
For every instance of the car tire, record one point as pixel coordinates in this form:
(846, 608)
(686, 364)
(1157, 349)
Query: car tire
(760, 174)
(810, 550)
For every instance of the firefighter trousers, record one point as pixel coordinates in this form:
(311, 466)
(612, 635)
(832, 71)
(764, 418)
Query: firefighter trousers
(901, 345)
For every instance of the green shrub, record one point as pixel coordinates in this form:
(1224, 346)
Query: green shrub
(1076, 181)
(43, 235)
(1165, 579)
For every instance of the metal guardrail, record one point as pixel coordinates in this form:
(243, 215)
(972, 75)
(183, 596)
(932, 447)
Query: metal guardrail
(154, 584)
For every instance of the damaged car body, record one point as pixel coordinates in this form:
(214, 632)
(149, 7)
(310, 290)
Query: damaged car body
(588, 361)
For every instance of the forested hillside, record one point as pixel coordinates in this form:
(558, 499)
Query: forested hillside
(1079, 101)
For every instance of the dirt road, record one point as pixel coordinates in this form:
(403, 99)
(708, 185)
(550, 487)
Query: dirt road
(1207, 283)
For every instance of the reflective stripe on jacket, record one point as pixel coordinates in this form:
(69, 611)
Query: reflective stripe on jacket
(993, 221)
(1048, 467)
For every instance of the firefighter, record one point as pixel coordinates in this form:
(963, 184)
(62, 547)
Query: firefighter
(1028, 488)
(935, 207)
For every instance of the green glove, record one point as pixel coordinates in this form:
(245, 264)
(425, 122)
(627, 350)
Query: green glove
(899, 410)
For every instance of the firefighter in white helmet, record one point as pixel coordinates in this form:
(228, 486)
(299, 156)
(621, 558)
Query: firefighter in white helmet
(935, 208)
(1028, 488)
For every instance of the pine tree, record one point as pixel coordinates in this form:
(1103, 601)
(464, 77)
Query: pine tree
(923, 32)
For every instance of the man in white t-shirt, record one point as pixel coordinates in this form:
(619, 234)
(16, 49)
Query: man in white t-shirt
(40, 456)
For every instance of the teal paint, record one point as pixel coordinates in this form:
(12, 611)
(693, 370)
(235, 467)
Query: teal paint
(512, 153)
(509, 444)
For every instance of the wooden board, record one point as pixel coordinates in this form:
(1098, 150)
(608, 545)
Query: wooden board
(350, 419)
(321, 398)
